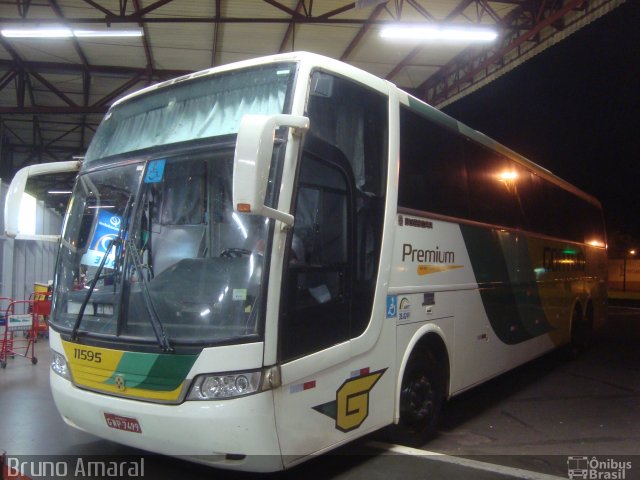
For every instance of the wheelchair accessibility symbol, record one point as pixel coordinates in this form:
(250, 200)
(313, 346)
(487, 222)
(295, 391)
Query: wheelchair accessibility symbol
(392, 306)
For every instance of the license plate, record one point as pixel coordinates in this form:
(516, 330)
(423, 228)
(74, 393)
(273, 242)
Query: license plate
(119, 422)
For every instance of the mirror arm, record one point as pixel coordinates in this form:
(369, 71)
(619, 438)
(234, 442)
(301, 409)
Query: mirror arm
(285, 218)
(252, 161)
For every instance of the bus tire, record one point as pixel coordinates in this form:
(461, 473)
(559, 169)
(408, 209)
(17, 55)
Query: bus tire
(421, 399)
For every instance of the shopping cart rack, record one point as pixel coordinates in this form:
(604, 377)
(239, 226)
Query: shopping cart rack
(18, 317)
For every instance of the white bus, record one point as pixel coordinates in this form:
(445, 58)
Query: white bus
(265, 260)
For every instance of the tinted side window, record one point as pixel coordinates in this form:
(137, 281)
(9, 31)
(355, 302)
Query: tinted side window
(553, 211)
(444, 172)
(432, 170)
(493, 187)
(533, 198)
(594, 224)
(319, 284)
(353, 120)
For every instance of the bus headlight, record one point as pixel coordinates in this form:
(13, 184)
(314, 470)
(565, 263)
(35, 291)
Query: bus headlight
(60, 366)
(229, 385)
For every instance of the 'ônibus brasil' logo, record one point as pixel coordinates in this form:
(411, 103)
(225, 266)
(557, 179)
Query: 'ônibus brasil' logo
(351, 406)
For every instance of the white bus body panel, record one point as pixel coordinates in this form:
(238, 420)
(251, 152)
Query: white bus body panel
(204, 431)
(343, 399)
(434, 283)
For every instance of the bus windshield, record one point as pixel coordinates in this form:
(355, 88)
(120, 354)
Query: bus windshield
(176, 253)
(151, 247)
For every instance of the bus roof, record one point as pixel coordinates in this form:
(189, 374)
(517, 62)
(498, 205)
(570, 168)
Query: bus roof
(313, 59)
(383, 86)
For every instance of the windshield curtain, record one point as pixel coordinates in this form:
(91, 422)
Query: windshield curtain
(194, 109)
(182, 256)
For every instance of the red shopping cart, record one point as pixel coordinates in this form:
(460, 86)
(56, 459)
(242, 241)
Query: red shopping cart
(41, 309)
(18, 317)
(6, 341)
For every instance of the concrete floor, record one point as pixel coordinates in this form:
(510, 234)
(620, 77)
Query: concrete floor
(533, 418)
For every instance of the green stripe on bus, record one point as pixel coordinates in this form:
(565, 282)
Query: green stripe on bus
(508, 290)
(168, 372)
(151, 371)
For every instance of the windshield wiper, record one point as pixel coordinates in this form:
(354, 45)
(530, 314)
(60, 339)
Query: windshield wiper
(96, 277)
(129, 249)
(92, 286)
(156, 324)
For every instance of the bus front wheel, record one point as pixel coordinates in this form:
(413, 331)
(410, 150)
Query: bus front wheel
(421, 398)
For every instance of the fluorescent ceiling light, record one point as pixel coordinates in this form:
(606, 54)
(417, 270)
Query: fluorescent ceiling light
(37, 33)
(64, 32)
(439, 33)
(59, 192)
(107, 33)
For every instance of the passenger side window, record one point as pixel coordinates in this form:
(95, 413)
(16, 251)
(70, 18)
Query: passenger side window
(493, 187)
(349, 127)
(319, 273)
(432, 170)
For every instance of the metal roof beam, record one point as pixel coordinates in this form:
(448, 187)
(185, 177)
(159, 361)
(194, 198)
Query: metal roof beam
(320, 20)
(295, 15)
(337, 11)
(216, 32)
(362, 32)
(74, 41)
(7, 77)
(20, 88)
(77, 69)
(421, 10)
(104, 101)
(55, 148)
(97, 6)
(21, 70)
(23, 7)
(18, 137)
(46, 121)
(60, 137)
(416, 50)
(145, 41)
(52, 88)
(291, 28)
(470, 67)
(37, 110)
(491, 12)
(152, 7)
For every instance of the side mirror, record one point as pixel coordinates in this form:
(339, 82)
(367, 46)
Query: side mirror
(18, 184)
(252, 161)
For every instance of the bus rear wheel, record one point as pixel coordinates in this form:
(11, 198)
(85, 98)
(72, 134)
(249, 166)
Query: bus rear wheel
(421, 398)
(581, 332)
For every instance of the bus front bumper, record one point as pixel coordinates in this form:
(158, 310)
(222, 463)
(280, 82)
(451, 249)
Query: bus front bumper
(237, 434)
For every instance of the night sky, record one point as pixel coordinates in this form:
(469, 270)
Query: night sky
(575, 110)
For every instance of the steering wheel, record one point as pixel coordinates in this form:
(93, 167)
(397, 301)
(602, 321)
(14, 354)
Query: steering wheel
(234, 252)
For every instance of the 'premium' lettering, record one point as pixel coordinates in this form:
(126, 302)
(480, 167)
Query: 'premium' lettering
(409, 253)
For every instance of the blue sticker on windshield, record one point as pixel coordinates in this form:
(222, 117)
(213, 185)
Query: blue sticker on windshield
(155, 171)
(106, 231)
